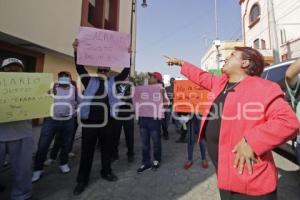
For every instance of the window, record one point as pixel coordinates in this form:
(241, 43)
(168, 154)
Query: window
(256, 44)
(91, 12)
(263, 44)
(100, 14)
(254, 14)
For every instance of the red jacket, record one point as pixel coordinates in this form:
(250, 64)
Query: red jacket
(257, 111)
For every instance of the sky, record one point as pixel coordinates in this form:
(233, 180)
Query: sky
(182, 28)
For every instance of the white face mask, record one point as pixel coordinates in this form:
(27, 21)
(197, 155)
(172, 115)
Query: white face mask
(64, 80)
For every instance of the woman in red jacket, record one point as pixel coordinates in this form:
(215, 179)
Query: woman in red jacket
(241, 134)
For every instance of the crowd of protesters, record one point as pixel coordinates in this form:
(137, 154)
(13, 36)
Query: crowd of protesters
(237, 147)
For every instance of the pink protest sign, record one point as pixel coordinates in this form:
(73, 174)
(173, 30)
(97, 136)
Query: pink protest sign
(97, 47)
(148, 101)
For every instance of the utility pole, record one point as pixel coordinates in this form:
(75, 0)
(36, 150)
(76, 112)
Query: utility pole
(217, 42)
(216, 19)
(273, 32)
(133, 26)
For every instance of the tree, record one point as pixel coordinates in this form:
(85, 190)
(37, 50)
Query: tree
(140, 78)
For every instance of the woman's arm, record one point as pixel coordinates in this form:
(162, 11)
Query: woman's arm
(281, 124)
(195, 74)
(199, 76)
(291, 74)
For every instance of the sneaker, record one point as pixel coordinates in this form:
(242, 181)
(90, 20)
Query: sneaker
(143, 168)
(187, 165)
(204, 164)
(71, 155)
(36, 175)
(64, 168)
(155, 165)
(49, 162)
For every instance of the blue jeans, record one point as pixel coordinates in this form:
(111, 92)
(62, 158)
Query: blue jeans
(193, 130)
(49, 129)
(150, 128)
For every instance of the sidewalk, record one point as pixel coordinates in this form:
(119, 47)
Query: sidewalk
(170, 182)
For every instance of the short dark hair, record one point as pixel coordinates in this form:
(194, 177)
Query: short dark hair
(256, 60)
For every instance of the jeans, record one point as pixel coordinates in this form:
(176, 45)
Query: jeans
(20, 158)
(58, 142)
(51, 127)
(150, 128)
(193, 131)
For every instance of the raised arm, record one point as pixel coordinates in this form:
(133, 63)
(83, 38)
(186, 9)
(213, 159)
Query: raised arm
(195, 74)
(82, 72)
(291, 74)
(123, 75)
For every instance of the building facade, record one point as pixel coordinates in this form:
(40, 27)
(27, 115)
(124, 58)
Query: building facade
(40, 33)
(272, 26)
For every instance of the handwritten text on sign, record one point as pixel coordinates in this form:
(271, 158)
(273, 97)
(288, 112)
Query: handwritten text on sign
(98, 47)
(189, 97)
(24, 96)
(148, 101)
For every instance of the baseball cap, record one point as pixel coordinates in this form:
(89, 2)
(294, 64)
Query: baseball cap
(9, 61)
(156, 75)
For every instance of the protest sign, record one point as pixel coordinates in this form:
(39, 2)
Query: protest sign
(189, 97)
(148, 101)
(97, 47)
(24, 96)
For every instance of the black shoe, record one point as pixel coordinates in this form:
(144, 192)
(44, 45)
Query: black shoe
(155, 165)
(130, 158)
(143, 168)
(181, 140)
(2, 188)
(109, 177)
(166, 137)
(80, 187)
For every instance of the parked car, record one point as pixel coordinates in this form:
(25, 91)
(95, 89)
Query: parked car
(276, 73)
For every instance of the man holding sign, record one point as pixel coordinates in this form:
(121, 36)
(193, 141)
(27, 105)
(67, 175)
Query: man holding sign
(16, 138)
(96, 113)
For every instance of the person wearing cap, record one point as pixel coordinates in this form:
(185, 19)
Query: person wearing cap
(16, 139)
(247, 118)
(96, 115)
(61, 122)
(151, 128)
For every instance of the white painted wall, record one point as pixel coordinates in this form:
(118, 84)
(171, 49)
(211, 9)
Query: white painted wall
(52, 24)
(287, 16)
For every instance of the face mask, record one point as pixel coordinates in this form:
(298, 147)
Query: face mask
(64, 80)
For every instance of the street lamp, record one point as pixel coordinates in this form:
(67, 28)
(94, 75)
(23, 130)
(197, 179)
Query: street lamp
(144, 4)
